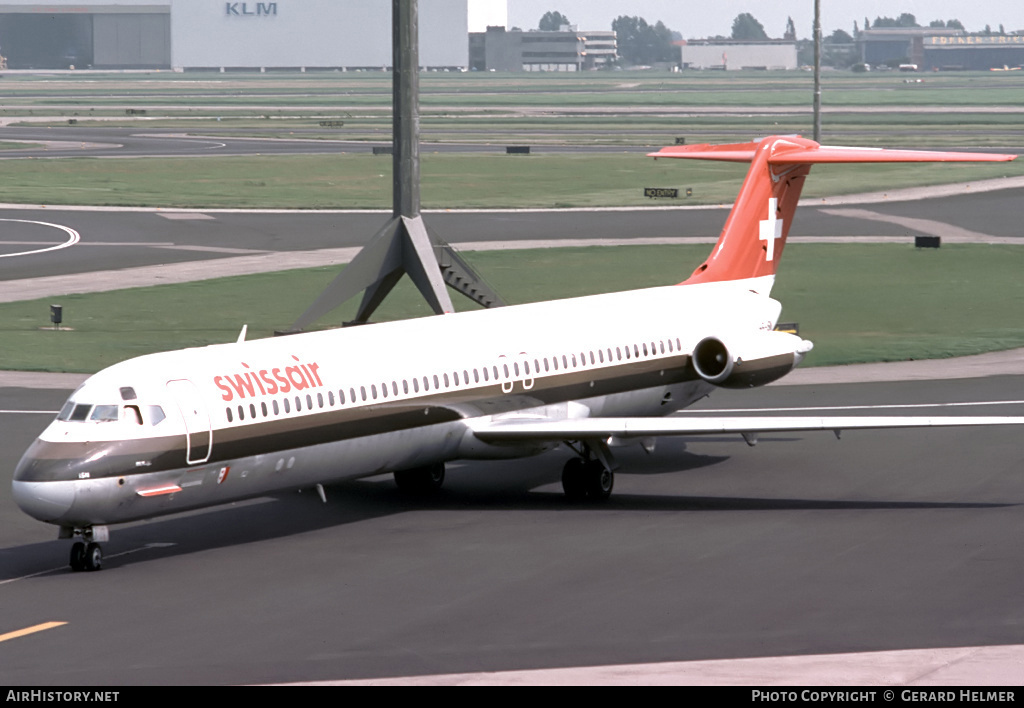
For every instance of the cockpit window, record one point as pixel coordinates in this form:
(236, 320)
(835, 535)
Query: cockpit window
(155, 414)
(105, 413)
(81, 412)
(128, 393)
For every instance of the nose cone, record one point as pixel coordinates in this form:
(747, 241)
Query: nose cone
(46, 501)
(43, 485)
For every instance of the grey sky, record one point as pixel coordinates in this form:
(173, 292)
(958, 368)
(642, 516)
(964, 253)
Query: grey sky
(703, 19)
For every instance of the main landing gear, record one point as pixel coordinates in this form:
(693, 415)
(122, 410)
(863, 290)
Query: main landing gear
(591, 475)
(86, 554)
(421, 480)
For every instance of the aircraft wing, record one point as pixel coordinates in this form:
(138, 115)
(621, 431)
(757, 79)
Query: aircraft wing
(524, 429)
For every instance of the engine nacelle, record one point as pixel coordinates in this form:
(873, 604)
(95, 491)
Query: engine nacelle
(748, 361)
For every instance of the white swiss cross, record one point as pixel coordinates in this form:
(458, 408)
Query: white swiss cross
(771, 228)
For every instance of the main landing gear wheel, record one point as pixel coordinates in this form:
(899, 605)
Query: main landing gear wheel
(574, 482)
(421, 480)
(599, 481)
(587, 479)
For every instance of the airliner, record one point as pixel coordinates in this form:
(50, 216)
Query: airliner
(180, 430)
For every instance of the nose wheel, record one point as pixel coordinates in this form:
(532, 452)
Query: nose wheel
(88, 553)
(86, 556)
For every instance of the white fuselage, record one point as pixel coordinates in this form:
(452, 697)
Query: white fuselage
(195, 427)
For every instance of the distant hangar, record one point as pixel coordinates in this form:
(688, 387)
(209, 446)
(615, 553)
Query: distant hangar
(223, 34)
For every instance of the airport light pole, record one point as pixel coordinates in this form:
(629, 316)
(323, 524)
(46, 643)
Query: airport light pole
(817, 71)
(405, 91)
(404, 245)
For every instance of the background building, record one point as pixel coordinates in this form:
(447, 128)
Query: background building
(735, 55)
(568, 49)
(940, 49)
(194, 34)
(967, 51)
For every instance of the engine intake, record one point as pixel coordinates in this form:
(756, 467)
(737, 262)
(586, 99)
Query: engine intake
(750, 361)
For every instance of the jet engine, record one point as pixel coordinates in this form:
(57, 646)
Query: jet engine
(748, 361)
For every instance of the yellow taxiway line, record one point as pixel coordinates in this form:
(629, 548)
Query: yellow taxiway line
(30, 630)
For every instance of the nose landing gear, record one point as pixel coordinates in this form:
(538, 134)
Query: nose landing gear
(86, 554)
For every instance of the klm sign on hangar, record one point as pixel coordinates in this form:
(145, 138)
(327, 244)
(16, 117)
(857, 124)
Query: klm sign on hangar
(222, 34)
(259, 9)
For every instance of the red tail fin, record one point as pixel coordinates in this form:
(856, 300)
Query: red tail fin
(755, 233)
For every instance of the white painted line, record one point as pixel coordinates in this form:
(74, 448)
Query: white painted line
(64, 567)
(186, 216)
(73, 238)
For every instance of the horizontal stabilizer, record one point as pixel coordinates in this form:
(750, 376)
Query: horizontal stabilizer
(596, 428)
(800, 151)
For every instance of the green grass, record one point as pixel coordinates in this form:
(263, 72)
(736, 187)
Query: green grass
(856, 302)
(448, 180)
(496, 90)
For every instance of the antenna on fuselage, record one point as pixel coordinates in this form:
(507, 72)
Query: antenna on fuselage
(403, 245)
